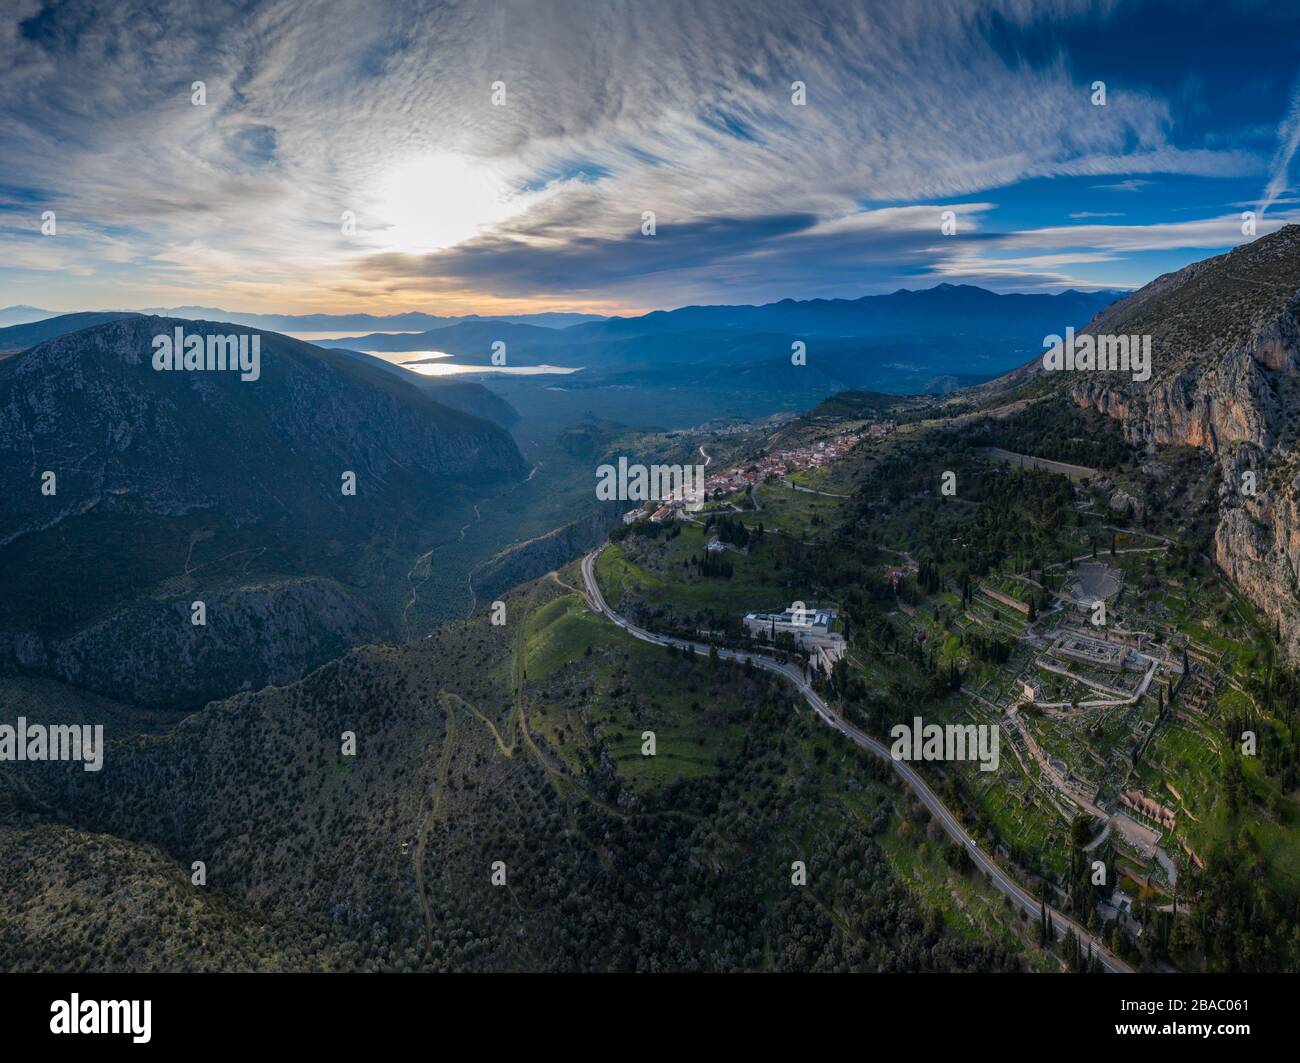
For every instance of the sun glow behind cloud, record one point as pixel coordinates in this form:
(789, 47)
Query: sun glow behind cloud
(980, 107)
(429, 203)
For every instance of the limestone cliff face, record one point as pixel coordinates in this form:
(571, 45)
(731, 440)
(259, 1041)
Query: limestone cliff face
(1257, 543)
(1227, 403)
(1226, 380)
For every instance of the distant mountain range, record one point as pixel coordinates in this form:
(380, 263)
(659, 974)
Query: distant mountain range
(21, 315)
(944, 310)
(933, 340)
(21, 336)
(414, 319)
(930, 340)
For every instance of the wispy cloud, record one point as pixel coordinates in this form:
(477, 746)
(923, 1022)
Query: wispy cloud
(1039, 258)
(1132, 184)
(682, 107)
(1288, 138)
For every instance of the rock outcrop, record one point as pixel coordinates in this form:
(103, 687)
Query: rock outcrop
(1225, 342)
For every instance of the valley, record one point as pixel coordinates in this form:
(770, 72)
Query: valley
(1147, 708)
(1007, 557)
(579, 490)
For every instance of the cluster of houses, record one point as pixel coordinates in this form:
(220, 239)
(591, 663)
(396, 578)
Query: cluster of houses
(781, 463)
(778, 463)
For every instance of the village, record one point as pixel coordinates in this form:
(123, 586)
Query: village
(776, 464)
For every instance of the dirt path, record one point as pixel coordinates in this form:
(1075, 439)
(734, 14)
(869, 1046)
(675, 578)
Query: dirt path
(519, 674)
(567, 586)
(506, 750)
(560, 779)
(812, 491)
(477, 517)
(422, 844)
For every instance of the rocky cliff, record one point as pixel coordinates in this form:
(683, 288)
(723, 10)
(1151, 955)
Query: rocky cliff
(1225, 379)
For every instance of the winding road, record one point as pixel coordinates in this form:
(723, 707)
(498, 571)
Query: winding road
(1026, 901)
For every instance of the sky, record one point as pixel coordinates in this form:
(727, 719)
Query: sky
(500, 156)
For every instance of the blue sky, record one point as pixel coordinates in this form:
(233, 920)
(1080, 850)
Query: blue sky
(535, 199)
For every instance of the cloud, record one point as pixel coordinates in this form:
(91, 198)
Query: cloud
(759, 257)
(1036, 258)
(1130, 185)
(683, 107)
(1221, 231)
(1288, 138)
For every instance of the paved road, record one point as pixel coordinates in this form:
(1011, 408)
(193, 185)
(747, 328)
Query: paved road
(937, 808)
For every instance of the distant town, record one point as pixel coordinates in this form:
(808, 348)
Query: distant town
(748, 474)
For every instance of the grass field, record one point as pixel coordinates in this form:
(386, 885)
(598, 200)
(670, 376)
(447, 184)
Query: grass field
(798, 514)
(585, 704)
(630, 690)
(656, 573)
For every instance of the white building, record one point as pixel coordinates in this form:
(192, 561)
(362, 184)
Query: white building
(805, 622)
